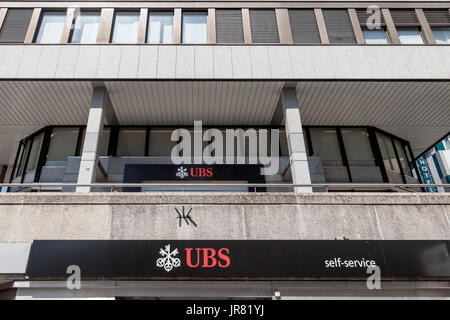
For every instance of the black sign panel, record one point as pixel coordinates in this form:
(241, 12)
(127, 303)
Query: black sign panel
(238, 259)
(136, 173)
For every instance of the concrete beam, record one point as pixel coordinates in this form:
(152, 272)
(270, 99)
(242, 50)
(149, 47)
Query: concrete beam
(101, 110)
(297, 150)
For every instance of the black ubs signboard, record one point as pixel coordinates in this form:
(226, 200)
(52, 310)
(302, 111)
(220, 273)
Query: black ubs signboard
(136, 173)
(238, 259)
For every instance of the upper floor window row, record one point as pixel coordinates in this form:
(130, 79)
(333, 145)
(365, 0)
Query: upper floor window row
(298, 26)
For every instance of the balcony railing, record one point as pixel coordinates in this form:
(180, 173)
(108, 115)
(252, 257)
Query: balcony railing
(190, 187)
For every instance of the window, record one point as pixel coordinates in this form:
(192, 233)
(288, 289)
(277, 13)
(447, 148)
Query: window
(325, 144)
(339, 26)
(375, 36)
(263, 25)
(439, 21)
(159, 144)
(35, 151)
(304, 26)
(408, 26)
(442, 35)
(402, 156)
(86, 27)
(160, 27)
(229, 26)
(389, 158)
(194, 28)
(23, 158)
(359, 156)
(103, 142)
(409, 35)
(125, 27)
(131, 142)
(15, 25)
(51, 27)
(63, 142)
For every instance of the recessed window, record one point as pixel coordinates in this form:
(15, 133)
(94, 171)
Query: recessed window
(339, 26)
(51, 27)
(194, 27)
(375, 36)
(160, 26)
(86, 27)
(131, 142)
(15, 25)
(263, 26)
(409, 35)
(63, 143)
(442, 35)
(125, 27)
(229, 26)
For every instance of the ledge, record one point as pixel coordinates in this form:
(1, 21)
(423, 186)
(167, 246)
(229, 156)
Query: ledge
(224, 198)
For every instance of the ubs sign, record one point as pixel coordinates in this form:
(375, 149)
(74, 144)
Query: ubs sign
(194, 258)
(239, 259)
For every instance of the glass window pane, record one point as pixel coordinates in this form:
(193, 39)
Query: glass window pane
(103, 143)
(35, 151)
(131, 142)
(326, 146)
(357, 147)
(160, 28)
(125, 27)
(360, 158)
(410, 36)
(442, 35)
(24, 158)
(194, 28)
(388, 153)
(403, 158)
(63, 142)
(375, 36)
(86, 27)
(51, 27)
(16, 173)
(160, 144)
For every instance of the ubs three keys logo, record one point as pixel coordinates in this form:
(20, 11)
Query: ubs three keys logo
(194, 258)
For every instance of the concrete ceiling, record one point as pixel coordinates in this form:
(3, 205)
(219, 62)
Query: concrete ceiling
(416, 111)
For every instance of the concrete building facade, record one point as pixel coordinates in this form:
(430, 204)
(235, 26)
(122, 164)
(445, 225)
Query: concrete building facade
(315, 114)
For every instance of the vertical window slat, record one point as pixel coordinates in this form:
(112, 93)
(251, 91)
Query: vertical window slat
(339, 26)
(229, 26)
(15, 25)
(304, 26)
(263, 23)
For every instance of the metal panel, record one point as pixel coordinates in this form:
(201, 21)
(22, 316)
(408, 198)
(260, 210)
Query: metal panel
(404, 17)
(229, 26)
(339, 26)
(264, 26)
(438, 17)
(15, 25)
(304, 26)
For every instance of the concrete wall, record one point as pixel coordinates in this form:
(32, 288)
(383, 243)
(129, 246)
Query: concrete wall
(223, 62)
(25, 217)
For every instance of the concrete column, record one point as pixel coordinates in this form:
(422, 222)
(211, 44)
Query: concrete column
(100, 110)
(297, 151)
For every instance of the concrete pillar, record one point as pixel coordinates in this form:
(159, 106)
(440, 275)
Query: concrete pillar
(100, 111)
(297, 151)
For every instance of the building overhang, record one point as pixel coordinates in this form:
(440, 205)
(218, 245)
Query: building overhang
(416, 111)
